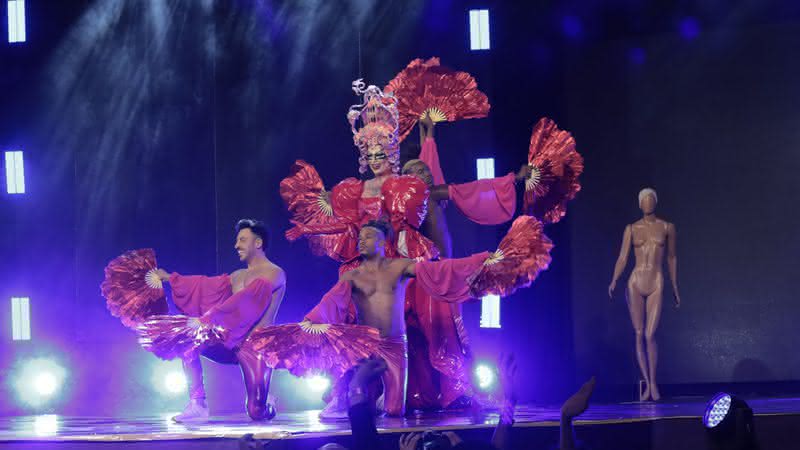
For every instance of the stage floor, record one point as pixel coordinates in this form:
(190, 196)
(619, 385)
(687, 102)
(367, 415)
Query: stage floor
(49, 428)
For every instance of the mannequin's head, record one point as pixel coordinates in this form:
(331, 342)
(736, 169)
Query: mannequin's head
(648, 200)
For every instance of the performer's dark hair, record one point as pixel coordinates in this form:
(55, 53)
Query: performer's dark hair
(257, 227)
(409, 149)
(380, 225)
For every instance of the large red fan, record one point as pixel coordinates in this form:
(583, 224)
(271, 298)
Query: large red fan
(311, 208)
(427, 89)
(522, 254)
(306, 349)
(132, 291)
(556, 168)
(177, 336)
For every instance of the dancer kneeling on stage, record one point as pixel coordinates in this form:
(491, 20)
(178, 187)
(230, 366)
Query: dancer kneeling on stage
(234, 305)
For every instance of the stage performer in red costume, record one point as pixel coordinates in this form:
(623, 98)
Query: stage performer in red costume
(375, 292)
(430, 93)
(330, 222)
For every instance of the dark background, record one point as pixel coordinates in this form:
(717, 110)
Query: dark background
(159, 124)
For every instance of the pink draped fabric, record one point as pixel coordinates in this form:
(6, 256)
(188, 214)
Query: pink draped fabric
(196, 294)
(211, 299)
(430, 156)
(448, 280)
(336, 305)
(487, 202)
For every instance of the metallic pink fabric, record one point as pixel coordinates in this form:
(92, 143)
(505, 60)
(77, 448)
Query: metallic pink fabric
(126, 291)
(558, 165)
(330, 349)
(210, 299)
(487, 202)
(447, 280)
(426, 84)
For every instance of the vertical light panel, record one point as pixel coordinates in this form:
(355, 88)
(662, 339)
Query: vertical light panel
(490, 304)
(15, 173)
(490, 312)
(20, 319)
(479, 29)
(16, 21)
(485, 168)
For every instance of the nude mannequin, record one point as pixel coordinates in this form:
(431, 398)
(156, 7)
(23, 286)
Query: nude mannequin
(650, 238)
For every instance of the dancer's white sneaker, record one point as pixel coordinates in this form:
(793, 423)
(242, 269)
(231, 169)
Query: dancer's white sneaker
(195, 411)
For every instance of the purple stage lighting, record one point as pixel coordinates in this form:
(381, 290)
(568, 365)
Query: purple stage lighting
(486, 376)
(637, 56)
(168, 378)
(318, 383)
(38, 380)
(572, 27)
(175, 382)
(689, 28)
(729, 422)
(717, 409)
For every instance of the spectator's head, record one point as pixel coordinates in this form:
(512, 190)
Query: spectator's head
(333, 446)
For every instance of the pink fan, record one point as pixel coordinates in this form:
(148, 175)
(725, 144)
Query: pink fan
(132, 290)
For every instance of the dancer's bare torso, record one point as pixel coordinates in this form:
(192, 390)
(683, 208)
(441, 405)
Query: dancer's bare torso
(379, 295)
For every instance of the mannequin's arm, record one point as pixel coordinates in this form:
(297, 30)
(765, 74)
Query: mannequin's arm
(672, 261)
(622, 260)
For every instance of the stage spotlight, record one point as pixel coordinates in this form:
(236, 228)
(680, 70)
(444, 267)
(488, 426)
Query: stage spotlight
(38, 380)
(175, 382)
(729, 423)
(486, 376)
(168, 378)
(318, 383)
(45, 384)
(717, 410)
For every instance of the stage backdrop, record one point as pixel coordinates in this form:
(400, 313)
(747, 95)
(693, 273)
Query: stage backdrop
(711, 124)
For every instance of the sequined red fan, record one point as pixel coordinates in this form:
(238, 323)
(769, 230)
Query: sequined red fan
(177, 336)
(311, 209)
(131, 289)
(304, 194)
(556, 168)
(521, 255)
(426, 88)
(306, 349)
